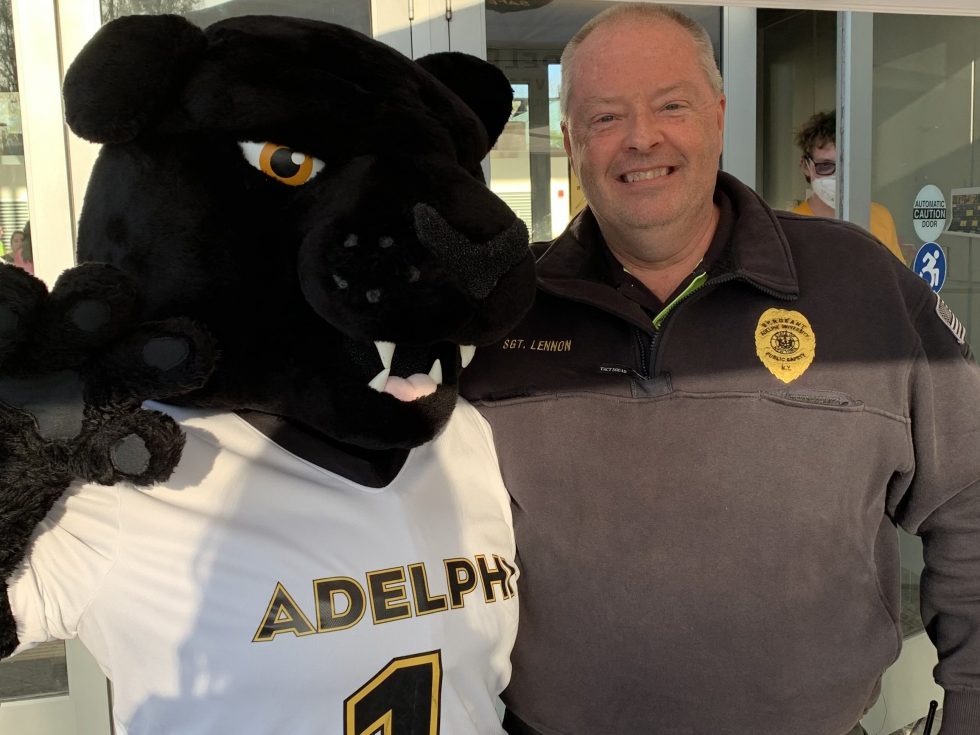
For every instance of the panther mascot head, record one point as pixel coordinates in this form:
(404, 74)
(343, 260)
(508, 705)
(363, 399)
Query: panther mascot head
(316, 200)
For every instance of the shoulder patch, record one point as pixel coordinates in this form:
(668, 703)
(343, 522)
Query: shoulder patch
(948, 318)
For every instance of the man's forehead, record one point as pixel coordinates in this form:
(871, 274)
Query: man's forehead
(634, 25)
(652, 91)
(660, 45)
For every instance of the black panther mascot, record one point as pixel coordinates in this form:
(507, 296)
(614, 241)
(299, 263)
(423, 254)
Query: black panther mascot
(232, 460)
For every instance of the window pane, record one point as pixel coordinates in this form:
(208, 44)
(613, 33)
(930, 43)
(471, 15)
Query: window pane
(926, 134)
(39, 672)
(354, 14)
(15, 245)
(797, 77)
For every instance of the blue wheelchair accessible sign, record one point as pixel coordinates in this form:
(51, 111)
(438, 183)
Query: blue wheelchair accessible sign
(930, 265)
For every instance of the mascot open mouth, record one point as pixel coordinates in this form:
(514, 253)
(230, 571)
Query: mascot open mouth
(410, 372)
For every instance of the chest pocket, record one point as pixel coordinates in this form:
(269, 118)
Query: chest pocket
(815, 398)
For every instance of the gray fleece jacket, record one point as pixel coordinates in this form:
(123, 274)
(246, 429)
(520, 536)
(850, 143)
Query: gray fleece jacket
(706, 509)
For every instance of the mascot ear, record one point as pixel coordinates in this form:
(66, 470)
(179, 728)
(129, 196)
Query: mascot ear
(481, 85)
(129, 74)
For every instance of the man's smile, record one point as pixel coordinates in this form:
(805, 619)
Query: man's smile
(645, 174)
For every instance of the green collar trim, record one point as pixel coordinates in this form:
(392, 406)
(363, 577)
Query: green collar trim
(693, 286)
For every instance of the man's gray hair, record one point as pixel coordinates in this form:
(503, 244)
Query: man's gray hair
(650, 12)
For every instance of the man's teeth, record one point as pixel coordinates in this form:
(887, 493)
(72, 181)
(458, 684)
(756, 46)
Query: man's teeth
(386, 351)
(653, 173)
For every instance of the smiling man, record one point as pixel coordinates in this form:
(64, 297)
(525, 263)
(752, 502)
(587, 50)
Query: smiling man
(646, 148)
(707, 475)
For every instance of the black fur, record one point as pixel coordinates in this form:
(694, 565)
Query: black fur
(242, 245)
(396, 238)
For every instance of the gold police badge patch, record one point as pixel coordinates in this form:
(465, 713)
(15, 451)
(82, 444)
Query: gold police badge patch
(785, 343)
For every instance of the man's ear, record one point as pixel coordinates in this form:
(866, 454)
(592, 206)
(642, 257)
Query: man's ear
(129, 74)
(478, 83)
(566, 141)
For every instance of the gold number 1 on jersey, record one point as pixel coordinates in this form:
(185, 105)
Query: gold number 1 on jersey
(401, 699)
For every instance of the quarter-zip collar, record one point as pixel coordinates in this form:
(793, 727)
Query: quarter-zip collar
(758, 253)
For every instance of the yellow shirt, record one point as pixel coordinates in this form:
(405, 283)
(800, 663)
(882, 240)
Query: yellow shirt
(882, 226)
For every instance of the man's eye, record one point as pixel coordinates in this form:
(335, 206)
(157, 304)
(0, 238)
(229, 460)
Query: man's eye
(674, 106)
(281, 162)
(605, 118)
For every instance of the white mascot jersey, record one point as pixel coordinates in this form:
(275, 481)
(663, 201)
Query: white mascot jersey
(255, 592)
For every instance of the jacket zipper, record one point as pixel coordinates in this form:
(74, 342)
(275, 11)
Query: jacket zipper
(658, 321)
(644, 368)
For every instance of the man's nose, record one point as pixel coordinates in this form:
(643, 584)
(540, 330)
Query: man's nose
(643, 131)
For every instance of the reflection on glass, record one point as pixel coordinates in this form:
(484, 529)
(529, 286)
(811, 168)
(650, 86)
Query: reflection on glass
(115, 8)
(39, 672)
(523, 146)
(354, 14)
(528, 166)
(42, 671)
(797, 78)
(15, 243)
(925, 132)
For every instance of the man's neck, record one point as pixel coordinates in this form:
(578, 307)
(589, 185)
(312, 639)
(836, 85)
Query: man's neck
(661, 259)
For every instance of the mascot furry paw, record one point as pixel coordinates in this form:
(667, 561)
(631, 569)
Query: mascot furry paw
(332, 553)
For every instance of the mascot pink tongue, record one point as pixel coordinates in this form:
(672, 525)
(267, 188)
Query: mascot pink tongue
(200, 547)
(414, 386)
(410, 388)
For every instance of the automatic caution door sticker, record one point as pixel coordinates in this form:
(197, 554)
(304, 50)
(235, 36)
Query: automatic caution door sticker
(929, 213)
(785, 343)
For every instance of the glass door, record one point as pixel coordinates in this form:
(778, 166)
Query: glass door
(925, 167)
(913, 120)
(925, 162)
(54, 688)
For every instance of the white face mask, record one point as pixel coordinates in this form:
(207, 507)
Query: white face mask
(826, 190)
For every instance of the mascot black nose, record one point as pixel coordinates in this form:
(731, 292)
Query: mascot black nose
(480, 264)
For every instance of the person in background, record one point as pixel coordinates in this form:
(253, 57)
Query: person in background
(817, 139)
(20, 251)
(710, 426)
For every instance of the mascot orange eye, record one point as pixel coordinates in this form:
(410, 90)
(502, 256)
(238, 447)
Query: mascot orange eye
(281, 162)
